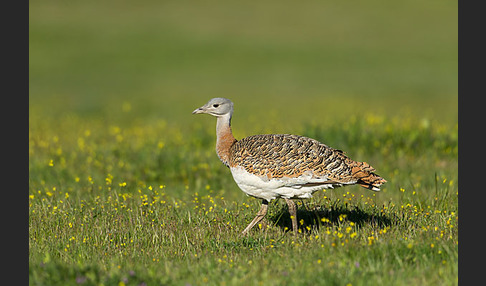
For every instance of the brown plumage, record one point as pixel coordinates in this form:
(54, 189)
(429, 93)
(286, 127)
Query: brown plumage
(285, 166)
(285, 155)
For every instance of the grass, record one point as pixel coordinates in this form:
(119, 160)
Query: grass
(125, 187)
(122, 205)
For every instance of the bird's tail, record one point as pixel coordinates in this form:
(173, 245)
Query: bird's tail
(366, 176)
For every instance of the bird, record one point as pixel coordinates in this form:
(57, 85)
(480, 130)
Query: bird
(274, 166)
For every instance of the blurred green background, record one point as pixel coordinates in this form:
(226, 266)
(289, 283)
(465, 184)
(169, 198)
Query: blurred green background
(304, 62)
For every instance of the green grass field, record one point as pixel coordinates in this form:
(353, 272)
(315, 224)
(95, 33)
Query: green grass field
(125, 187)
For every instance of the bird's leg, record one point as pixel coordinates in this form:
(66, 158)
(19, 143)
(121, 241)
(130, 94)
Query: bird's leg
(293, 214)
(260, 215)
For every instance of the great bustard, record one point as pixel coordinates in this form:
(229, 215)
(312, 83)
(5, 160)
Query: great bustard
(285, 166)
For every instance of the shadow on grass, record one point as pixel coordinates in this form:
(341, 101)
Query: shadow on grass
(319, 216)
(312, 220)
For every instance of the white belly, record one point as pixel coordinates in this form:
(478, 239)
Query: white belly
(269, 189)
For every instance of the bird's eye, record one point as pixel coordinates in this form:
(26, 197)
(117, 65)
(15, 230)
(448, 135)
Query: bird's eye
(215, 105)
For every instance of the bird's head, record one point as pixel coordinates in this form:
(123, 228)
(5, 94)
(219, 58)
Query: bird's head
(216, 107)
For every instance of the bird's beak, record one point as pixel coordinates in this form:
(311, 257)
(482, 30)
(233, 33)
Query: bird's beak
(199, 110)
